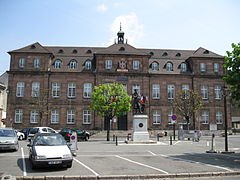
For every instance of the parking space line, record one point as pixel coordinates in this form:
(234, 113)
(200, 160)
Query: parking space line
(24, 164)
(197, 162)
(94, 172)
(135, 162)
(152, 153)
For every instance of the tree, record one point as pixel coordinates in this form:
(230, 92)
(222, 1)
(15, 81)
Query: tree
(109, 101)
(232, 71)
(186, 104)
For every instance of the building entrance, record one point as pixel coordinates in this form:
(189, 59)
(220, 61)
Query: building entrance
(122, 122)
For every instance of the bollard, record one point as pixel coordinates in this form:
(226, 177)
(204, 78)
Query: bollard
(116, 141)
(212, 148)
(171, 140)
(114, 137)
(158, 137)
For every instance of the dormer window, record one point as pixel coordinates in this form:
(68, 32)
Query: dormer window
(89, 51)
(73, 64)
(165, 54)
(155, 66)
(74, 51)
(178, 54)
(121, 49)
(183, 67)
(60, 51)
(88, 65)
(206, 52)
(21, 63)
(33, 46)
(169, 66)
(151, 53)
(57, 64)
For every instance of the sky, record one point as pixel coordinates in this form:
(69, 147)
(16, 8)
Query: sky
(160, 24)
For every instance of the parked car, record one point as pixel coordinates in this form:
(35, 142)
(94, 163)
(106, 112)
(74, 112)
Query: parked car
(20, 135)
(8, 139)
(25, 131)
(35, 130)
(49, 149)
(81, 134)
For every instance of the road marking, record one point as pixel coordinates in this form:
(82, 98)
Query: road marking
(94, 172)
(135, 162)
(176, 142)
(152, 153)
(24, 164)
(197, 162)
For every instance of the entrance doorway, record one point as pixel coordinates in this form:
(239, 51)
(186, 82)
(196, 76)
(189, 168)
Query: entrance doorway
(122, 122)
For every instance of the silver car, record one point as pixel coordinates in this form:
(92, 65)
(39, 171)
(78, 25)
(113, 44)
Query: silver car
(8, 139)
(49, 149)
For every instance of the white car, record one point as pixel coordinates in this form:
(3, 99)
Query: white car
(35, 130)
(49, 149)
(8, 139)
(20, 135)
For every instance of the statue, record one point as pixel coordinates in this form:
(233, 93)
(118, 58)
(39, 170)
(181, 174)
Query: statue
(138, 102)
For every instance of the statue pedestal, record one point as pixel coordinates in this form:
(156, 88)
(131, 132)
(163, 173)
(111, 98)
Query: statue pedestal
(140, 133)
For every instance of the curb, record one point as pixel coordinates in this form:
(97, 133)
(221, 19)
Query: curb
(130, 177)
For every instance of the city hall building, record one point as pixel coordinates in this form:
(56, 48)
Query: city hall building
(60, 80)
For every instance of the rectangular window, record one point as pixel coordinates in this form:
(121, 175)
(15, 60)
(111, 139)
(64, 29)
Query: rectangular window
(205, 117)
(20, 89)
(86, 117)
(55, 116)
(171, 91)
(202, 67)
(71, 116)
(156, 117)
(216, 67)
(204, 92)
(35, 89)
(156, 91)
(137, 87)
(185, 89)
(71, 90)
(87, 91)
(108, 64)
(34, 116)
(136, 65)
(55, 89)
(36, 63)
(219, 117)
(217, 90)
(18, 115)
(21, 63)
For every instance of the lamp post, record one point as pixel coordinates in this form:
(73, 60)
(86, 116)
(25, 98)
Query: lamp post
(224, 94)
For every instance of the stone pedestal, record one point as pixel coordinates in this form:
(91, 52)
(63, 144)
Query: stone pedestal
(140, 132)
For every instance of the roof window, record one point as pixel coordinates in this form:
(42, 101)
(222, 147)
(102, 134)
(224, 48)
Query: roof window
(60, 51)
(74, 51)
(206, 52)
(121, 49)
(178, 54)
(165, 54)
(151, 53)
(33, 46)
(89, 51)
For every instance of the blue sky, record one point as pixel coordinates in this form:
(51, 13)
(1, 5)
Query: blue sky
(162, 24)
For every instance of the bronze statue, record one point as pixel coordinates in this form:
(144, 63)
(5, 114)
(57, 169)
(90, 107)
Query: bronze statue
(138, 102)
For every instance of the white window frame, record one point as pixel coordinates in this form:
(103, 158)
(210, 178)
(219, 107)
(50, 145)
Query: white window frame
(18, 116)
(57, 64)
(183, 67)
(204, 92)
(86, 117)
(218, 92)
(216, 67)
(219, 117)
(35, 89)
(169, 66)
(156, 91)
(55, 89)
(155, 66)
(36, 63)
(73, 64)
(185, 89)
(108, 64)
(137, 87)
(136, 65)
(171, 91)
(156, 117)
(71, 116)
(71, 90)
(203, 67)
(20, 89)
(55, 116)
(205, 117)
(34, 116)
(88, 65)
(87, 90)
(21, 62)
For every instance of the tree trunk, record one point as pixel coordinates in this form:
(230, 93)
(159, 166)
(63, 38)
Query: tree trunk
(108, 128)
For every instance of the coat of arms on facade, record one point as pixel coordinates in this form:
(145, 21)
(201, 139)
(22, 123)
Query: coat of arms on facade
(122, 66)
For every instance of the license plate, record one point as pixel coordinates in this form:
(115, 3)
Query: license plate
(55, 162)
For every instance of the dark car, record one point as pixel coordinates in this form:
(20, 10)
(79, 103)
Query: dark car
(25, 131)
(81, 134)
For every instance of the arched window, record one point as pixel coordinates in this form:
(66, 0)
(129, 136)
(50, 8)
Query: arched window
(73, 64)
(74, 51)
(57, 64)
(88, 65)
(155, 66)
(169, 66)
(178, 54)
(183, 67)
(165, 54)
(60, 51)
(89, 51)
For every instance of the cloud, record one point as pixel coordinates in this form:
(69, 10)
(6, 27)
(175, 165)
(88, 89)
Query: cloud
(102, 8)
(130, 26)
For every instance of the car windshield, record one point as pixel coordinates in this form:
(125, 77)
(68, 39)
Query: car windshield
(47, 140)
(7, 133)
(33, 131)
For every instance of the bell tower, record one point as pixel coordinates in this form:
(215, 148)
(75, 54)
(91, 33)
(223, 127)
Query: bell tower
(120, 35)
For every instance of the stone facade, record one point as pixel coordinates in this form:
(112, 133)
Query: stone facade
(68, 75)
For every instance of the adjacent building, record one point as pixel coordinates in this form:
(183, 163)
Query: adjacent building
(58, 81)
(3, 98)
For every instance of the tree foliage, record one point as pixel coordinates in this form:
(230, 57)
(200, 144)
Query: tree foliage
(187, 103)
(110, 100)
(232, 71)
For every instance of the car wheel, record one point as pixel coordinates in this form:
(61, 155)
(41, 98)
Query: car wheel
(16, 149)
(20, 138)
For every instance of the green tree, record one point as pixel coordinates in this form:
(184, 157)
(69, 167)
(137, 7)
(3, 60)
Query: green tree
(109, 101)
(232, 71)
(187, 104)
